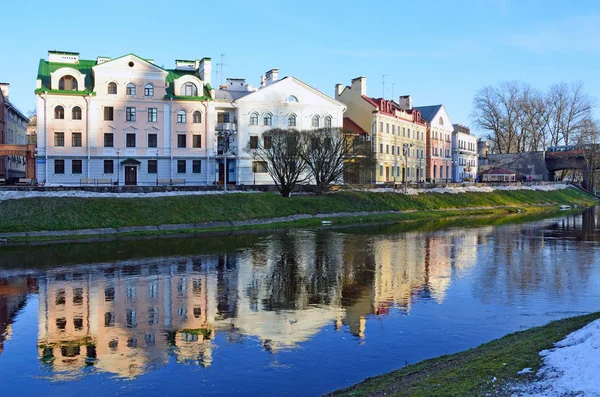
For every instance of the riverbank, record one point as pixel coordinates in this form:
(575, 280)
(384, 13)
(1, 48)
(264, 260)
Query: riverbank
(495, 368)
(39, 217)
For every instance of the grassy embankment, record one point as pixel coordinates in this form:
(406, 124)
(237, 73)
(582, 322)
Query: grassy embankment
(84, 213)
(472, 372)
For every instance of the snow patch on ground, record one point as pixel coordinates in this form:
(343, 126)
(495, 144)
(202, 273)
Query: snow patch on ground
(472, 189)
(572, 368)
(14, 194)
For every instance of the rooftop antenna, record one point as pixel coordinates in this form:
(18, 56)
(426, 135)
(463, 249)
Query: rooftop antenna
(383, 86)
(220, 65)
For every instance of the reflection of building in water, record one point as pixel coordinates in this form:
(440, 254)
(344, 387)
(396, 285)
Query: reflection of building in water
(116, 317)
(13, 294)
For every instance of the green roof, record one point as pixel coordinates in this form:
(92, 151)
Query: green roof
(84, 66)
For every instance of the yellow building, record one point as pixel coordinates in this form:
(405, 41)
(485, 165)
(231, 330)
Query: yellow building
(395, 130)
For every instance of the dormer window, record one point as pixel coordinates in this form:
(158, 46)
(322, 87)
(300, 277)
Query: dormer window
(59, 113)
(189, 89)
(291, 98)
(112, 88)
(148, 90)
(67, 83)
(130, 90)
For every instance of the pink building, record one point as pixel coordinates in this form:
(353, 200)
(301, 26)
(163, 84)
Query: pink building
(123, 120)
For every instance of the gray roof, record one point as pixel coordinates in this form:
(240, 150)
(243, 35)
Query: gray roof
(428, 112)
(227, 95)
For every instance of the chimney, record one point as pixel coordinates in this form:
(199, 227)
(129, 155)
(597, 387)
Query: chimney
(101, 60)
(271, 76)
(4, 87)
(205, 70)
(360, 84)
(262, 80)
(63, 57)
(236, 84)
(405, 102)
(338, 90)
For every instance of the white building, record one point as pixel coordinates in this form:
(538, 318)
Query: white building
(279, 103)
(464, 154)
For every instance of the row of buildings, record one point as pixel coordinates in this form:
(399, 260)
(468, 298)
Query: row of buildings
(128, 121)
(13, 132)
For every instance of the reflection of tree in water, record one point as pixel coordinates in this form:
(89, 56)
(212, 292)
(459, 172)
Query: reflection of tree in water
(226, 286)
(324, 272)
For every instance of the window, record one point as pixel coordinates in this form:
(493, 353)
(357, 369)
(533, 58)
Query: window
(130, 90)
(152, 166)
(112, 88)
(181, 140)
(59, 139)
(381, 126)
(181, 167)
(268, 119)
(196, 166)
(197, 141)
(381, 148)
(292, 98)
(387, 128)
(152, 115)
(130, 114)
(403, 131)
(189, 89)
(130, 140)
(327, 122)
(253, 142)
(108, 140)
(76, 139)
(223, 118)
(197, 117)
(109, 319)
(108, 113)
(393, 129)
(152, 140)
(315, 121)
(59, 166)
(61, 323)
(109, 167)
(153, 315)
(387, 149)
(292, 120)
(109, 294)
(148, 90)
(131, 318)
(67, 83)
(181, 117)
(254, 119)
(267, 142)
(76, 166)
(259, 167)
(59, 113)
(381, 170)
(408, 133)
(393, 149)
(441, 121)
(76, 113)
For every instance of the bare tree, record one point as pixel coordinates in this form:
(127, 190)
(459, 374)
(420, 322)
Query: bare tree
(325, 151)
(279, 154)
(569, 108)
(589, 143)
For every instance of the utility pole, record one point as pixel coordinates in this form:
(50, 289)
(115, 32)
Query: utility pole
(383, 86)
(393, 84)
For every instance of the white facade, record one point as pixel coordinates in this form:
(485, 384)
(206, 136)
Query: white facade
(464, 154)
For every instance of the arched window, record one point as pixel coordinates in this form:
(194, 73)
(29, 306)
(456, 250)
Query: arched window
(76, 113)
(441, 122)
(189, 89)
(130, 89)
(197, 117)
(315, 121)
(328, 122)
(268, 119)
(112, 88)
(67, 83)
(59, 112)
(291, 98)
(148, 90)
(181, 116)
(254, 119)
(292, 120)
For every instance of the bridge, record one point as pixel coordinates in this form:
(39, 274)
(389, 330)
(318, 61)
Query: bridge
(26, 151)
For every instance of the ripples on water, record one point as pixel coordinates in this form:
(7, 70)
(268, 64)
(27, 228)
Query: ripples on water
(296, 312)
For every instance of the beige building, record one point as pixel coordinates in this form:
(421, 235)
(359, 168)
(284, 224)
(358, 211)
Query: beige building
(13, 132)
(395, 130)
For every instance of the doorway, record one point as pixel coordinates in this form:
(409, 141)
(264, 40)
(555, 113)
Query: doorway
(130, 175)
(221, 173)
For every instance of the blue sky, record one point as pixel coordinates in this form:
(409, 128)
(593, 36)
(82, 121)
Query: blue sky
(437, 51)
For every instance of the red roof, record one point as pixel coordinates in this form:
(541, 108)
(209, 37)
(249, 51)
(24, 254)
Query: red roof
(497, 171)
(354, 128)
(389, 107)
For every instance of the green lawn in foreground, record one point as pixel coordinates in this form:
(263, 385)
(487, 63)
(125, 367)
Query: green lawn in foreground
(82, 213)
(470, 373)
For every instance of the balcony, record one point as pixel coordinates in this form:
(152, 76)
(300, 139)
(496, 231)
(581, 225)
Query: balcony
(226, 126)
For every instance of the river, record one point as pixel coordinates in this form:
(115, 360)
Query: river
(295, 312)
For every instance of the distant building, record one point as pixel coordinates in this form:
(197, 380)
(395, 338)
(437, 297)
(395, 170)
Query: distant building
(13, 131)
(395, 130)
(464, 154)
(498, 175)
(439, 143)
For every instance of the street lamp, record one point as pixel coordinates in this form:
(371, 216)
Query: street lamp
(226, 139)
(118, 166)
(406, 149)
(157, 153)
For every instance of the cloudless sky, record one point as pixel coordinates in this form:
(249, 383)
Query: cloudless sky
(436, 51)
